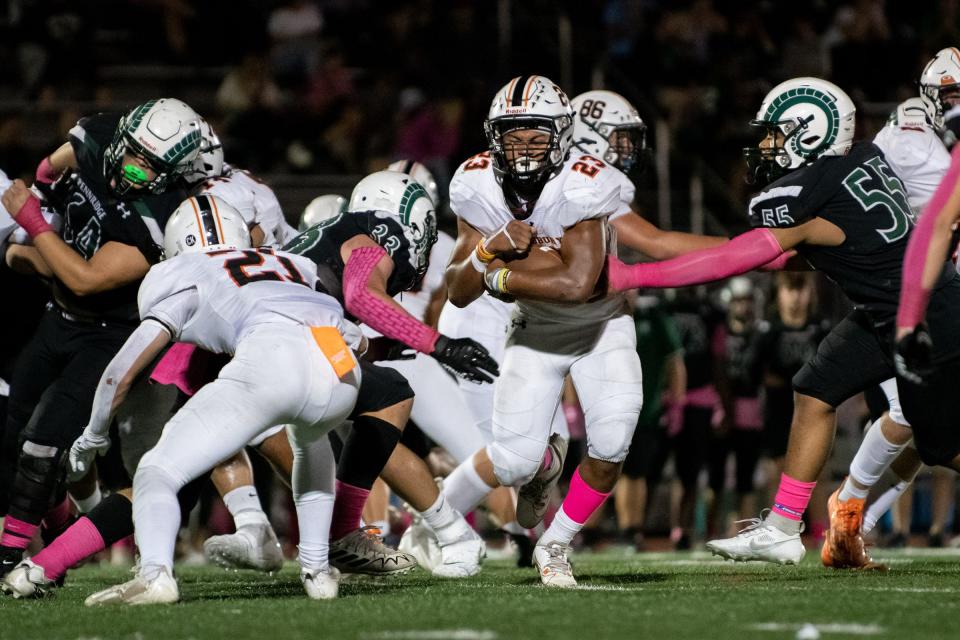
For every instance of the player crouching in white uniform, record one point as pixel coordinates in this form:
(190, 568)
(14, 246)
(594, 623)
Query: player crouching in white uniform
(290, 366)
(532, 193)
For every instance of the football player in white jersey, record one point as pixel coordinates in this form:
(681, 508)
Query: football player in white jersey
(912, 145)
(291, 365)
(531, 192)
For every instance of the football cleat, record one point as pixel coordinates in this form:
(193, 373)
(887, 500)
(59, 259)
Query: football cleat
(27, 580)
(534, 497)
(525, 546)
(362, 551)
(321, 584)
(251, 547)
(461, 558)
(9, 558)
(760, 541)
(843, 546)
(159, 588)
(553, 564)
(418, 540)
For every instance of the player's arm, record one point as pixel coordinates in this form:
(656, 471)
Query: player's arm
(367, 270)
(27, 261)
(473, 252)
(637, 233)
(573, 280)
(114, 265)
(143, 345)
(743, 253)
(928, 248)
(437, 299)
(51, 167)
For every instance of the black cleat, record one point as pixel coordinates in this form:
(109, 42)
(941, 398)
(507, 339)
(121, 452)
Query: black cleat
(524, 549)
(9, 558)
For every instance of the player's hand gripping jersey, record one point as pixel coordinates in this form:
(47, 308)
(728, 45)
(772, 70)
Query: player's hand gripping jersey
(860, 194)
(93, 215)
(212, 299)
(584, 189)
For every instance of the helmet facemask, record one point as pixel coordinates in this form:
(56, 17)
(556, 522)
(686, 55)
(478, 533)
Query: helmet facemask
(627, 148)
(943, 97)
(527, 149)
(769, 159)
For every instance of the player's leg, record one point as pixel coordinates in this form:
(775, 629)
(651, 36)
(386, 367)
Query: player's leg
(609, 382)
(820, 386)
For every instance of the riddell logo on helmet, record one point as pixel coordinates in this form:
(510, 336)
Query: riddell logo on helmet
(146, 143)
(516, 110)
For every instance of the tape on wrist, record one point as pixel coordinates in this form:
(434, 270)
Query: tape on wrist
(482, 254)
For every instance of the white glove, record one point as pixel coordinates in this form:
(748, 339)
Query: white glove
(85, 448)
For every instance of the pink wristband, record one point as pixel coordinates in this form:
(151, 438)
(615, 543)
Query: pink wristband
(30, 218)
(379, 314)
(46, 174)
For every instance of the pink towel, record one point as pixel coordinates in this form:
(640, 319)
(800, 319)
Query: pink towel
(185, 366)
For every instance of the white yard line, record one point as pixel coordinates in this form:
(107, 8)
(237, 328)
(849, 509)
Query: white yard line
(437, 634)
(827, 627)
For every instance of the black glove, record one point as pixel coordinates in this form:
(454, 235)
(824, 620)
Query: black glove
(913, 355)
(467, 358)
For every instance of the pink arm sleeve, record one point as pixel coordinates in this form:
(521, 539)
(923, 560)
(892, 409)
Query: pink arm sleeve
(747, 251)
(385, 316)
(914, 295)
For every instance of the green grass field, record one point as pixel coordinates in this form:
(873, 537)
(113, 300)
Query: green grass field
(676, 595)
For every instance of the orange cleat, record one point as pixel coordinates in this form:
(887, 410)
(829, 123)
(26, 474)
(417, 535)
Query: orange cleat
(843, 545)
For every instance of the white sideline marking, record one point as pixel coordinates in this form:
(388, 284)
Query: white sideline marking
(829, 627)
(438, 634)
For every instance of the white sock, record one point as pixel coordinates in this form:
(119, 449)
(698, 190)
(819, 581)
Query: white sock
(848, 490)
(464, 488)
(562, 529)
(156, 517)
(314, 513)
(873, 457)
(882, 504)
(446, 522)
(383, 525)
(244, 505)
(84, 505)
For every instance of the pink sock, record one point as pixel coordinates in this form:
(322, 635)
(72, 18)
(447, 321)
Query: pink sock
(792, 497)
(347, 509)
(17, 533)
(57, 517)
(80, 541)
(582, 499)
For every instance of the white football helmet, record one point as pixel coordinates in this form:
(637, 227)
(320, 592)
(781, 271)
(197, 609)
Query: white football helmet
(209, 162)
(941, 76)
(165, 133)
(321, 209)
(912, 112)
(808, 118)
(398, 195)
(607, 126)
(421, 174)
(204, 223)
(529, 102)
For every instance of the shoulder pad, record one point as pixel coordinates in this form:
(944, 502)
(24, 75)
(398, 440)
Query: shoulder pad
(591, 189)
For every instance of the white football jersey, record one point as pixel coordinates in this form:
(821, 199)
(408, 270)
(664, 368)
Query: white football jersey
(212, 299)
(914, 151)
(584, 189)
(627, 193)
(255, 201)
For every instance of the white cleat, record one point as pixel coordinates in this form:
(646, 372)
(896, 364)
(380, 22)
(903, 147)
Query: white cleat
(760, 541)
(418, 540)
(553, 564)
(534, 497)
(461, 558)
(27, 580)
(251, 547)
(362, 551)
(321, 584)
(160, 588)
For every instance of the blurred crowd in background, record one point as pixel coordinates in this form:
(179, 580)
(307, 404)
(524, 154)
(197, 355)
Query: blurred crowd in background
(311, 94)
